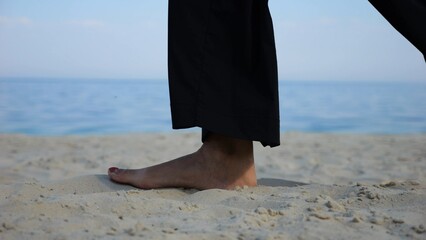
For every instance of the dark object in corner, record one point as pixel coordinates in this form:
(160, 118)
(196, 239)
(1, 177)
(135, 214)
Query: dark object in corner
(408, 17)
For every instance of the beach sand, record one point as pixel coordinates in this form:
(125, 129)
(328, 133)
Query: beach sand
(313, 186)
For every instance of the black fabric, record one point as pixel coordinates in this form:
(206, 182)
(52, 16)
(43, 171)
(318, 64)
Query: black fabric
(406, 16)
(223, 69)
(204, 134)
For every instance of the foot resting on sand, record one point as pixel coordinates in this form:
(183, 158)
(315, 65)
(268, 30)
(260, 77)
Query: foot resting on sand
(221, 162)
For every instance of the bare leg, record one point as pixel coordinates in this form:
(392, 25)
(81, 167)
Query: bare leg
(221, 162)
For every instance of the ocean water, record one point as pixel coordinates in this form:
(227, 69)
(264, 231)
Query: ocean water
(77, 106)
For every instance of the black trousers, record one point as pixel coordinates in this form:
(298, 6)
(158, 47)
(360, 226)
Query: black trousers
(408, 17)
(223, 68)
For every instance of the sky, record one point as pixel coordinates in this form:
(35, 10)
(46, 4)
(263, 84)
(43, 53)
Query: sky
(316, 40)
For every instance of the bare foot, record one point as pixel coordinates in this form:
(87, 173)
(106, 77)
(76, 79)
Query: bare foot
(221, 162)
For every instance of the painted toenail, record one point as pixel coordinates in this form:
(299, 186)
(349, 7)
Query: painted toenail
(113, 170)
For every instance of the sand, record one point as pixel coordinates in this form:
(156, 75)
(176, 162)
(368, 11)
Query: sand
(313, 186)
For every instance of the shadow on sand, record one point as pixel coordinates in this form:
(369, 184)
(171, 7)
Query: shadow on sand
(101, 183)
(276, 182)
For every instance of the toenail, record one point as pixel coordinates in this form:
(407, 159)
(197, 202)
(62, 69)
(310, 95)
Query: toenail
(113, 170)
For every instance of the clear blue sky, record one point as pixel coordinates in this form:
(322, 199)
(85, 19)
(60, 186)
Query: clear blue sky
(316, 40)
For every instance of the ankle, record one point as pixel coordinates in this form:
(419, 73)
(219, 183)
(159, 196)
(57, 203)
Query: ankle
(226, 146)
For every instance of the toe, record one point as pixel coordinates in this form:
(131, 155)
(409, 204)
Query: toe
(119, 175)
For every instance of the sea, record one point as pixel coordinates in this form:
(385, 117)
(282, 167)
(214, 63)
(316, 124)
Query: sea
(56, 107)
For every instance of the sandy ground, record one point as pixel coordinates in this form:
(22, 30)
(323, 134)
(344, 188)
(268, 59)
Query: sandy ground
(357, 187)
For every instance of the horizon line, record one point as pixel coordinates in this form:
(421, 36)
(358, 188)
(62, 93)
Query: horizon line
(3, 78)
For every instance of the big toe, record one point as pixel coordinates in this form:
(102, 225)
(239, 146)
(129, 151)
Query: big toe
(120, 175)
